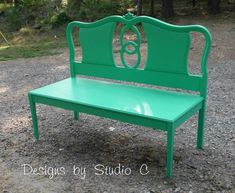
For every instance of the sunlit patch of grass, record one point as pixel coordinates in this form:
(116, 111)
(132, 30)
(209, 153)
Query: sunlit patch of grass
(4, 47)
(4, 6)
(26, 31)
(32, 43)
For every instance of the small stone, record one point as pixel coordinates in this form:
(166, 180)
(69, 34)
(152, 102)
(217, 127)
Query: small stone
(150, 191)
(177, 189)
(169, 190)
(226, 183)
(111, 128)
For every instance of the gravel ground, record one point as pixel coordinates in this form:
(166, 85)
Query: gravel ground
(66, 143)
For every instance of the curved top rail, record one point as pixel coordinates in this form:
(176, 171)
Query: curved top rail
(130, 19)
(126, 19)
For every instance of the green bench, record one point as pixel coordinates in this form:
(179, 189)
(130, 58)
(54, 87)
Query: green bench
(166, 65)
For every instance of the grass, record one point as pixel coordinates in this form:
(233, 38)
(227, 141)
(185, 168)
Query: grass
(26, 44)
(29, 43)
(26, 51)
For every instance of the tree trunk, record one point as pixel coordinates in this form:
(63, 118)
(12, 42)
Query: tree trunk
(139, 7)
(167, 8)
(214, 6)
(152, 7)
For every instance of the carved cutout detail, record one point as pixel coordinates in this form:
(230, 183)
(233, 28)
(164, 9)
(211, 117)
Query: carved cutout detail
(125, 46)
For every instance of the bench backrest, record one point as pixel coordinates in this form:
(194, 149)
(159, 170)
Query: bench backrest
(167, 58)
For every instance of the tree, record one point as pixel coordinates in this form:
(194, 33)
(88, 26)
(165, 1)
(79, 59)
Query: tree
(214, 6)
(73, 8)
(152, 7)
(167, 8)
(139, 7)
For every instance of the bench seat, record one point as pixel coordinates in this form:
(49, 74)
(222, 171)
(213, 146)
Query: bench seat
(155, 104)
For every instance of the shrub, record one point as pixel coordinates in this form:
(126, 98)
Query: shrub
(96, 9)
(59, 19)
(14, 18)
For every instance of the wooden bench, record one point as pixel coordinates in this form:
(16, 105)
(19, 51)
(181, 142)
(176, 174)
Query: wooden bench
(166, 65)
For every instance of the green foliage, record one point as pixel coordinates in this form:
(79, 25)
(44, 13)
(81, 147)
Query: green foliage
(73, 7)
(59, 19)
(4, 6)
(96, 9)
(32, 3)
(125, 5)
(57, 12)
(32, 12)
(14, 18)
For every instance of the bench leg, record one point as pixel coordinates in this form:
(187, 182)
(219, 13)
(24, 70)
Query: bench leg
(34, 117)
(76, 115)
(170, 151)
(200, 131)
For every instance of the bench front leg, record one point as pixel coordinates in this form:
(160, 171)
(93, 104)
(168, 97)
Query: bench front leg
(76, 115)
(200, 131)
(34, 116)
(170, 151)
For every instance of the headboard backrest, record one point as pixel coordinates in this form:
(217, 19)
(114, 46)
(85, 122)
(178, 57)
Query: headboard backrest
(167, 57)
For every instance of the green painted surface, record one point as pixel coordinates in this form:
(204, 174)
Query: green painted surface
(98, 50)
(134, 44)
(167, 65)
(141, 76)
(167, 50)
(156, 104)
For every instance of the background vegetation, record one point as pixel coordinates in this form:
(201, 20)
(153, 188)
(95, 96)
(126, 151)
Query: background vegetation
(35, 27)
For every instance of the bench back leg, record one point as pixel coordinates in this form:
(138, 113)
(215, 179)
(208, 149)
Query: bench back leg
(76, 115)
(34, 117)
(170, 151)
(200, 131)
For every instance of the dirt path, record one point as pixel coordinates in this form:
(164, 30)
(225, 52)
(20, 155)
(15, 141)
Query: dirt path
(66, 143)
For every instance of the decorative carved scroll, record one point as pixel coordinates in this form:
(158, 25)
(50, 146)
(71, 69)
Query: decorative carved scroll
(130, 47)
